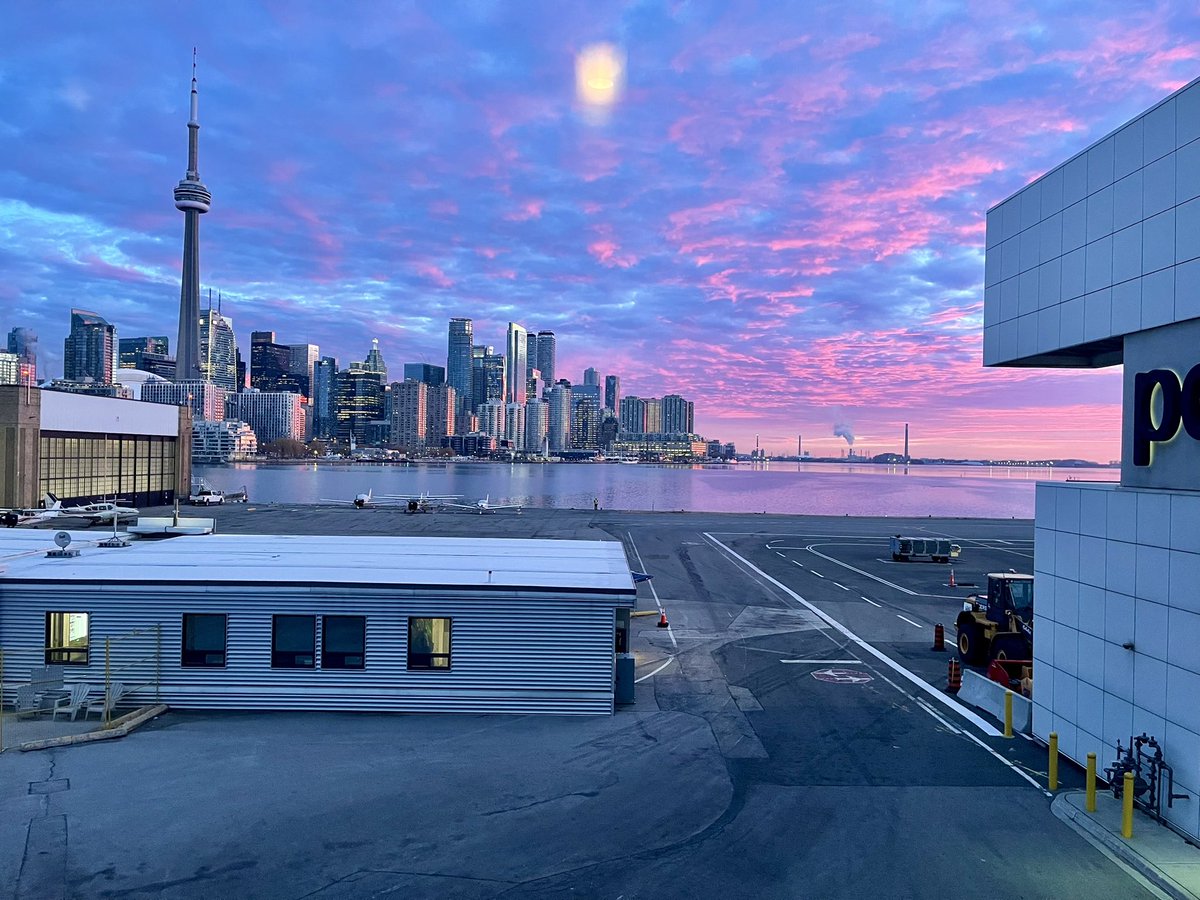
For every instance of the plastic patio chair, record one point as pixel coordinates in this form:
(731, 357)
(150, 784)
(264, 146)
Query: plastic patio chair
(71, 704)
(27, 700)
(104, 705)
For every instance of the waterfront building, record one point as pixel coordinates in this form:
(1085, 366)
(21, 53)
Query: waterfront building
(488, 378)
(585, 421)
(558, 428)
(410, 416)
(442, 411)
(359, 401)
(612, 393)
(537, 424)
(86, 448)
(222, 442)
(516, 356)
(430, 375)
(514, 426)
(609, 429)
(301, 364)
(193, 199)
(662, 446)
(23, 342)
(1093, 265)
(677, 415)
(491, 418)
(474, 443)
(272, 415)
(654, 416)
(131, 350)
(460, 340)
(591, 377)
(205, 400)
(546, 350)
(374, 362)
(534, 386)
(530, 353)
(271, 364)
(324, 398)
(632, 415)
(90, 350)
(10, 366)
(91, 388)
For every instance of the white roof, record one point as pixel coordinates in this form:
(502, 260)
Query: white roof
(462, 563)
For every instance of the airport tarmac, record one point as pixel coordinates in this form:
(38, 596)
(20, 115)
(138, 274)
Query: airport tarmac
(790, 739)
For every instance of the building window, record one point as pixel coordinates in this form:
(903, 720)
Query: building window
(293, 642)
(66, 638)
(343, 642)
(204, 640)
(428, 643)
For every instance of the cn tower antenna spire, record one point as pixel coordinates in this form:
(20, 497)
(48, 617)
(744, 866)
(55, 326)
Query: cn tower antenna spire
(193, 199)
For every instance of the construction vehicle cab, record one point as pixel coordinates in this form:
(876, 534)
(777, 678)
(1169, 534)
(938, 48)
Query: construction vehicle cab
(1000, 624)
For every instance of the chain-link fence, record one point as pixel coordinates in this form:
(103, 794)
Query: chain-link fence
(45, 697)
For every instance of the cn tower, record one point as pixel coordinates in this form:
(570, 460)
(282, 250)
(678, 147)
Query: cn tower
(192, 198)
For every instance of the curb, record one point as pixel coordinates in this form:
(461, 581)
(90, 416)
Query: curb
(119, 728)
(1081, 822)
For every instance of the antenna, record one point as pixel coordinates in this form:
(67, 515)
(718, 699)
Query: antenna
(193, 64)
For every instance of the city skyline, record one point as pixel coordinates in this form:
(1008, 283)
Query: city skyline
(788, 229)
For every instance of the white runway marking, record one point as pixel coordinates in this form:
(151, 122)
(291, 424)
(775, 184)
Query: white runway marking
(822, 662)
(909, 621)
(842, 586)
(873, 603)
(784, 555)
(655, 672)
(653, 592)
(815, 572)
(800, 564)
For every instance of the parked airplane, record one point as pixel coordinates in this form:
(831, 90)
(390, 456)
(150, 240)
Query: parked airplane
(11, 518)
(360, 501)
(104, 513)
(485, 506)
(423, 502)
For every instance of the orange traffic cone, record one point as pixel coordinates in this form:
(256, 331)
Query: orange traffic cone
(952, 584)
(662, 619)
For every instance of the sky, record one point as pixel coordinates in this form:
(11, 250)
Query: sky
(779, 215)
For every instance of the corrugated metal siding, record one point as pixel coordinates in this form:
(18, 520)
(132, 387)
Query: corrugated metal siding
(510, 653)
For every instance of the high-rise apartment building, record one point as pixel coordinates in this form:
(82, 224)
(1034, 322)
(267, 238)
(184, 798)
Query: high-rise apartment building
(545, 356)
(442, 410)
(514, 426)
(23, 342)
(654, 417)
(430, 375)
(324, 398)
(585, 422)
(410, 416)
(491, 418)
(9, 368)
(271, 414)
(460, 340)
(537, 424)
(359, 401)
(612, 393)
(632, 415)
(205, 399)
(90, 350)
(677, 415)
(218, 350)
(558, 428)
(516, 355)
(487, 377)
(530, 353)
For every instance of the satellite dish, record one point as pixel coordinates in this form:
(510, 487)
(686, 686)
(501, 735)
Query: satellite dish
(62, 539)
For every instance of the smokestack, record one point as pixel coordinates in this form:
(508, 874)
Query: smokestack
(906, 443)
(799, 446)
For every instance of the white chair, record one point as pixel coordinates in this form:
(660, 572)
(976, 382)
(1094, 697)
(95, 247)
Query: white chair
(104, 706)
(27, 700)
(72, 703)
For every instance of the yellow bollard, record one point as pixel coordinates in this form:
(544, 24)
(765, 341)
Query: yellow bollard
(1127, 807)
(1008, 732)
(1091, 782)
(1053, 770)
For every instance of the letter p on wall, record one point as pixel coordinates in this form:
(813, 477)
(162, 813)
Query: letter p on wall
(1180, 406)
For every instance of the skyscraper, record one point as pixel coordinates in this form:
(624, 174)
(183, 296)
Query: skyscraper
(324, 398)
(193, 200)
(632, 415)
(559, 426)
(23, 342)
(514, 426)
(271, 364)
(441, 408)
(359, 401)
(374, 362)
(591, 377)
(410, 416)
(487, 378)
(218, 350)
(537, 423)
(677, 415)
(130, 350)
(545, 356)
(431, 375)
(90, 350)
(303, 359)
(612, 392)
(585, 422)
(458, 360)
(516, 352)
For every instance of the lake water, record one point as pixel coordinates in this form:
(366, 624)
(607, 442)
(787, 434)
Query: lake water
(790, 488)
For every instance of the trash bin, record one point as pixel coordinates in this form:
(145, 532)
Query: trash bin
(624, 691)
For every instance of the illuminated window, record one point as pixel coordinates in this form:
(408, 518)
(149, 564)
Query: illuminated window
(66, 638)
(293, 642)
(343, 642)
(428, 643)
(204, 640)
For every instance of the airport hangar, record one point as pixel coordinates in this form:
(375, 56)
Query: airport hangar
(270, 622)
(1097, 263)
(83, 448)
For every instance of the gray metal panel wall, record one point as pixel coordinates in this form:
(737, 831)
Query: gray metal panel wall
(510, 653)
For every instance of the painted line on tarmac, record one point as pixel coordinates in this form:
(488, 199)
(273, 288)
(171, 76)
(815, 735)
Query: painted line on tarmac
(846, 565)
(823, 662)
(909, 621)
(842, 586)
(784, 555)
(653, 592)
(655, 672)
(873, 603)
(800, 564)
(815, 572)
(915, 680)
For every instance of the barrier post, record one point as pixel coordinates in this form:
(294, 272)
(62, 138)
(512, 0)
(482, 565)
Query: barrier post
(107, 680)
(1008, 729)
(1127, 807)
(1052, 780)
(1091, 782)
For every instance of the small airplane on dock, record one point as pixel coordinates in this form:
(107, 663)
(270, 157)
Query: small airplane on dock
(423, 502)
(360, 501)
(15, 517)
(485, 506)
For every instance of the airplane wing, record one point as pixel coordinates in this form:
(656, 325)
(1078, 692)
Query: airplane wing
(516, 506)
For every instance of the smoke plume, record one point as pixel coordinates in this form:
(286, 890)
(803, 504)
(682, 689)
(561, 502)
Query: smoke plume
(844, 431)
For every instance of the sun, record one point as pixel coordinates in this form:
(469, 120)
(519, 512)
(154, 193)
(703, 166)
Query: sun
(599, 75)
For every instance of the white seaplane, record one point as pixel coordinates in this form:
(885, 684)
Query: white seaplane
(486, 506)
(12, 518)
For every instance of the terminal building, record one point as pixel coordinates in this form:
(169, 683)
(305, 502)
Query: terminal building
(388, 624)
(1097, 263)
(83, 448)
